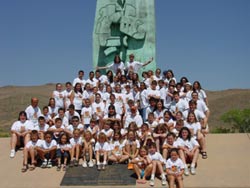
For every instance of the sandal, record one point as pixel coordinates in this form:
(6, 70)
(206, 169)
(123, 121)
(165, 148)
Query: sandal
(204, 154)
(32, 167)
(25, 168)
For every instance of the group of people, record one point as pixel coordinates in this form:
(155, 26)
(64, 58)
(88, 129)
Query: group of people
(154, 124)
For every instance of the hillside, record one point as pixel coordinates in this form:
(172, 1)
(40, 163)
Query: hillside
(15, 98)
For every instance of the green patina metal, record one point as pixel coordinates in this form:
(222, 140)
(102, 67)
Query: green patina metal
(124, 27)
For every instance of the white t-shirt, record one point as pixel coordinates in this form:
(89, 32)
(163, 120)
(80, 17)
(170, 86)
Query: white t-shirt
(129, 142)
(74, 141)
(33, 113)
(63, 146)
(175, 166)
(104, 146)
(17, 126)
(59, 98)
(78, 80)
(47, 145)
(69, 116)
(198, 114)
(156, 157)
(115, 66)
(67, 95)
(92, 82)
(193, 126)
(41, 128)
(181, 105)
(130, 118)
(116, 146)
(86, 114)
(78, 97)
(30, 143)
(71, 128)
(53, 110)
(98, 109)
(65, 120)
(134, 66)
(190, 144)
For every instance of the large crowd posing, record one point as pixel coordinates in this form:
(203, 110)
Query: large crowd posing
(152, 122)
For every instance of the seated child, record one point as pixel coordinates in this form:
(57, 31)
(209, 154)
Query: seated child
(116, 149)
(157, 164)
(168, 145)
(174, 169)
(41, 127)
(188, 150)
(101, 151)
(48, 150)
(62, 152)
(159, 136)
(76, 148)
(142, 165)
(88, 144)
(57, 129)
(30, 151)
(131, 147)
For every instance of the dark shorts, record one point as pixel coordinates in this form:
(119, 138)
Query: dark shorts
(60, 154)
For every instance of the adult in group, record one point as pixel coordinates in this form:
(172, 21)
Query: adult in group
(20, 132)
(134, 66)
(33, 111)
(116, 66)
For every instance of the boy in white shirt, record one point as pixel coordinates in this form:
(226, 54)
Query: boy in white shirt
(30, 150)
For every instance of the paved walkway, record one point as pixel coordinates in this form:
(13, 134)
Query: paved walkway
(227, 166)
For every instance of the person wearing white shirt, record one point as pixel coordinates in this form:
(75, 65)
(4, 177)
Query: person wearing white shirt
(77, 97)
(75, 124)
(188, 147)
(61, 115)
(70, 113)
(157, 164)
(86, 114)
(58, 95)
(79, 79)
(178, 104)
(133, 117)
(30, 151)
(115, 66)
(33, 111)
(19, 132)
(92, 80)
(57, 129)
(68, 95)
(76, 147)
(135, 66)
(41, 127)
(101, 149)
(98, 107)
(175, 169)
(195, 127)
(47, 151)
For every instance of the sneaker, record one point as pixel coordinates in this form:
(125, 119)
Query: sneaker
(193, 171)
(76, 162)
(91, 164)
(186, 172)
(49, 165)
(164, 181)
(71, 164)
(99, 167)
(103, 166)
(12, 153)
(44, 164)
(84, 164)
(152, 182)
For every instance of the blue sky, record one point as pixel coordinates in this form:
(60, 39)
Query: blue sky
(49, 41)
